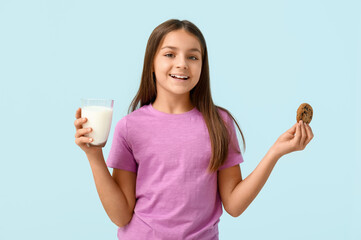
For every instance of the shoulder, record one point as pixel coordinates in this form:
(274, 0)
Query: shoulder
(136, 115)
(225, 114)
(139, 112)
(125, 121)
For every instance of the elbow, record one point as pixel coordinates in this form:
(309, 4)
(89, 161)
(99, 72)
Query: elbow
(122, 222)
(119, 224)
(233, 214)
(236, 212)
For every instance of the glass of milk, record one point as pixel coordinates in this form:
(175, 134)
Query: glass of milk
(99, 113)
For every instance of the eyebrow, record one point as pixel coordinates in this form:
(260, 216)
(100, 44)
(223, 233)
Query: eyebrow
(190, 50)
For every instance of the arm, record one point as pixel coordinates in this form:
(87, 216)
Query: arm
(114, 200)
(244, 191)
(237, 194)
(116, 193)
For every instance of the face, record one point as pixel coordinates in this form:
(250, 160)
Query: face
(177, 63)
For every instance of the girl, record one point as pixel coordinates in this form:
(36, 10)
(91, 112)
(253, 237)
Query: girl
(176, 157)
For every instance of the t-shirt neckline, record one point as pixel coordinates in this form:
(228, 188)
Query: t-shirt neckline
(157, 112)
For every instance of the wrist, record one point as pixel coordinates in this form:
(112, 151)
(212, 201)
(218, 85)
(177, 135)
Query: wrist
(274, 154)
(95, 153)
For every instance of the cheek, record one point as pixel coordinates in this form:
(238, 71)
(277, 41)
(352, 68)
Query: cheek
(161, 67)
(198, 69)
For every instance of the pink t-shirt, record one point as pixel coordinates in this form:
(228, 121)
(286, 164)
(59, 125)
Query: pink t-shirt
(176, 198)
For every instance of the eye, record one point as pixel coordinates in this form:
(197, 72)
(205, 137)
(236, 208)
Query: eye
(193, 58)
(169, 55)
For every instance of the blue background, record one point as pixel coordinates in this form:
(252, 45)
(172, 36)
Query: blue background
(266, 58)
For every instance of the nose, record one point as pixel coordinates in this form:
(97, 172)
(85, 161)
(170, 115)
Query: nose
(181, 63)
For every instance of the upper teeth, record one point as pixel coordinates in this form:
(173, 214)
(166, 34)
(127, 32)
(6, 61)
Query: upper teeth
(177, 76)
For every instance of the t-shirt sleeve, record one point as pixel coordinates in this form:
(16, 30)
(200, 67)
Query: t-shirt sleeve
(120, 154)
(234, 154)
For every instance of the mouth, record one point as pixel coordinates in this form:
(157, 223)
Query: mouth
(179, 77)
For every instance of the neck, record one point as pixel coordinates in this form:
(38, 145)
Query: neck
(173, 105)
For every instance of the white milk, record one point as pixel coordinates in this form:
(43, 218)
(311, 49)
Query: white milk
(99, 119)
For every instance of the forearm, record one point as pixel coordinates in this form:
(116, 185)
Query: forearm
(113, 200)
(247, 190)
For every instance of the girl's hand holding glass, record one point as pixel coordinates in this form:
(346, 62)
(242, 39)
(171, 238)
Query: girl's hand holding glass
(294, 139)
(80, 139)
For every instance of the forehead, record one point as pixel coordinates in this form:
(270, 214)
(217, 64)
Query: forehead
(181, 39)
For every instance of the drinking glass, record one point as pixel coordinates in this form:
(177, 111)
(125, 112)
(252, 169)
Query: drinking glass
(99, 113)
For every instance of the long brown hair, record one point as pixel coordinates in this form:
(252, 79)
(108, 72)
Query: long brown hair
(200, 95)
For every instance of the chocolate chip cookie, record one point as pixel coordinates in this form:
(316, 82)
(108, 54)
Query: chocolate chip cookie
(304, 113)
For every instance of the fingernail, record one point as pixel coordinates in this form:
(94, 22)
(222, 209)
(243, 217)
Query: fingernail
(90, 140)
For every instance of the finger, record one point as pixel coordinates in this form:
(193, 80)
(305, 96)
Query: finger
(304, 135)
(83, 140)
(79, 123)
(78, 113)
(309, 133)
(81, 132)
(298, 135)
(310, 130)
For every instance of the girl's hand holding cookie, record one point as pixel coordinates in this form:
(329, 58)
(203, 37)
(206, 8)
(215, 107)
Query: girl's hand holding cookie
(294, 139)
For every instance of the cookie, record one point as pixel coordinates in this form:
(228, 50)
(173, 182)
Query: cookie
(304, 113)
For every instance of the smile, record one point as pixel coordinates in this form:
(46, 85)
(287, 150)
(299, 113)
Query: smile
(181, 77)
